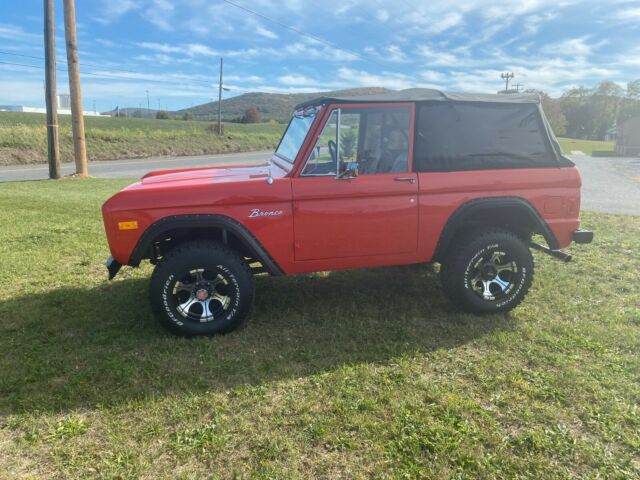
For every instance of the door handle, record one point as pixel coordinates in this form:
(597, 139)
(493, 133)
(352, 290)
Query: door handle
(405, 179)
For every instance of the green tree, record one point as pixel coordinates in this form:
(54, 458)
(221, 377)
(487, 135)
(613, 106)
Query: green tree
(187, 116)
(630, 104)
(553, 112)
(591, 112)
(348, 143)
(574, 104)
(605, 104)
(162, 115)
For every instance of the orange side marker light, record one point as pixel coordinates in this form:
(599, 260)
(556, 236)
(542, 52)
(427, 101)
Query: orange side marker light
(129, 225)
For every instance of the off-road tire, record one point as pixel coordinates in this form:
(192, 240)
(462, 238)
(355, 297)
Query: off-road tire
(217, 272)
(468, 260)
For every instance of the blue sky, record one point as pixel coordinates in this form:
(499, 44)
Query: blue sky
(171, 47)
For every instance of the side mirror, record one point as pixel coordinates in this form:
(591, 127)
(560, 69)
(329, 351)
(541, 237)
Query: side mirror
(351, 171)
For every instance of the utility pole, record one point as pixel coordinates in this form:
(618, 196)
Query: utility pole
(220, 101)
(77, 118)
(53, 145)
(506, 77)
(148, 104)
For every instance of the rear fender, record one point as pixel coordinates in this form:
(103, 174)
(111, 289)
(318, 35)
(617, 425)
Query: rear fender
(468, 213)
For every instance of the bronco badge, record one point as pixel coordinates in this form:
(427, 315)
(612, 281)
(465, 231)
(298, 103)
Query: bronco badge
(256, 212)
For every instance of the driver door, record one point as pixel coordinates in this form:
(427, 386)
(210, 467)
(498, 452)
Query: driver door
(337, 215)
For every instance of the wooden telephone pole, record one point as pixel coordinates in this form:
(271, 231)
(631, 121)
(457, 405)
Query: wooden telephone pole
(53, 144)
(77, 118)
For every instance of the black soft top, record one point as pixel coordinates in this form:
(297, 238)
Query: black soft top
(425, 95)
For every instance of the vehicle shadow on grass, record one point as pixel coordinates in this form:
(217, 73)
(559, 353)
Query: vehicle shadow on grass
(83, 347)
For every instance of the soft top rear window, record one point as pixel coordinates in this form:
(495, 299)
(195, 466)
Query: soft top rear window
(478, 136)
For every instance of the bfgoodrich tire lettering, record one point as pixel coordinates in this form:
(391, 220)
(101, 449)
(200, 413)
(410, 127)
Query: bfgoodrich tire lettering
(489, 271)
(201, 288)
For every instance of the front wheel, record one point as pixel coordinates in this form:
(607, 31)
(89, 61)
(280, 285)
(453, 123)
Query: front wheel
(490, 272)
(201, 288)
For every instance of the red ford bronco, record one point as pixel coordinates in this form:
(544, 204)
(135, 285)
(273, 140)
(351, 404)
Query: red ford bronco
(404, 177)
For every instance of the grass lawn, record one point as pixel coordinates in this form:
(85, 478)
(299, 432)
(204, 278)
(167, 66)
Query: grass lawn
(588, 147)
(361, 374)
(23, 138)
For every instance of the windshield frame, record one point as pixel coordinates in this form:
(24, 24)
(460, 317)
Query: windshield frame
(312, 112)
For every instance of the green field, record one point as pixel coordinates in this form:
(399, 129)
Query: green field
(23, 138)
(588, 147)
(361, 374)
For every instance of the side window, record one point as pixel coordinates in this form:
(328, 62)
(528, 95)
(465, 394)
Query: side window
(376, 140)
(454, 136)
(385, 140)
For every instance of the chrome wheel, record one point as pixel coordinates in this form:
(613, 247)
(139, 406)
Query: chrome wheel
(492, 275)
(202, 295)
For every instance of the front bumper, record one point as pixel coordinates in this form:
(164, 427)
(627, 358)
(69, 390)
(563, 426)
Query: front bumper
(113, 266)
(582, 236)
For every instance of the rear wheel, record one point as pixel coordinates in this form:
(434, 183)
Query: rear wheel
(489, 272)
(201, 288)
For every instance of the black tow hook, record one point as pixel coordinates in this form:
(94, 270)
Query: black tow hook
(557, 254)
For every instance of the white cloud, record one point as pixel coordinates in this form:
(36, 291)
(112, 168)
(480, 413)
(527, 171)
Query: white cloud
(627, 15)
(392, 53)
(363, 78)
(295, 79)
(15, 32)
(243, 78)
(160, 13)
(189, 49)
(450, 20)
(266, 33)
(382, 15)
(573, 47)
(437, 57)
(432, 76)
(112, 10)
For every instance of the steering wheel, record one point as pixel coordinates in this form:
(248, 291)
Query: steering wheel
(333, 150)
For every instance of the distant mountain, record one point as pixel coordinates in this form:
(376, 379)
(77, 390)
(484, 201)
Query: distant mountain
(275, 106)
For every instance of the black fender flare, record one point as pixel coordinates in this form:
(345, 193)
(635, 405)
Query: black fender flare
(468, 210)
(191, 221)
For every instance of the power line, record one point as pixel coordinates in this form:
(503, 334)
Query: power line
(305, 34)
(83, 64)
(105, 75)
(98, 75)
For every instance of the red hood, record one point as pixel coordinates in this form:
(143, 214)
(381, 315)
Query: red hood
(213, 174)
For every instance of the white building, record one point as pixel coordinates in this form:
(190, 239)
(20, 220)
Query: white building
(64, 101)
(61, 111)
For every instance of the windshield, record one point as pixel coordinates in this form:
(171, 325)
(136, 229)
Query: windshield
(296, 132)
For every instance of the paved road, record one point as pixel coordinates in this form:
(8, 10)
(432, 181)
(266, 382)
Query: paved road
(609, 184)
(134, 168)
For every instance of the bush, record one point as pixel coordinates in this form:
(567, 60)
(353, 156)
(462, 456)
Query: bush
(162, 115)
(213, 128)
(251, 115)
(187, 116)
